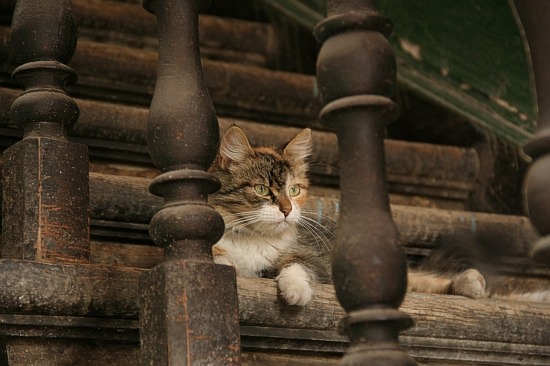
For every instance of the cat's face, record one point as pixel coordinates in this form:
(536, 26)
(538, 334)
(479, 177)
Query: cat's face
(263, 189)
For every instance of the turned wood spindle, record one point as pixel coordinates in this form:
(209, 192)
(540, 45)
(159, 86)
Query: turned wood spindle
(356, 75)
(45, 177)
(188, 304)
(533, 15)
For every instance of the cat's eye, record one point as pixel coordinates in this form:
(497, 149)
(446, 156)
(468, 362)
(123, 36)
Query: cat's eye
(261, 189)
(294, 191)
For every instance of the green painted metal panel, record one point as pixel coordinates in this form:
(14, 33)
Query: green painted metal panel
(467, 55)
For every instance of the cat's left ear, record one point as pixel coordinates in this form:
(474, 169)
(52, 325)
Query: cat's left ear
(299, 148)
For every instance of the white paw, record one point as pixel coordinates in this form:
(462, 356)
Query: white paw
(294, 283)
(469, 283)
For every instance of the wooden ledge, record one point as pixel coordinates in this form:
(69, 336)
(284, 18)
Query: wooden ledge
(485, 331)
(448, 329)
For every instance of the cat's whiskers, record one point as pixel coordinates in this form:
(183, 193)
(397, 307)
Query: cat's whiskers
(239, 225)
(256, 220)
(260, 221)
(239, 221)
(315, 236)
(320, 217)
(333, 168)
(318, 231)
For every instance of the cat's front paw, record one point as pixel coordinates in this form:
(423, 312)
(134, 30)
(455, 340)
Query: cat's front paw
(294, 284)
(469, 283)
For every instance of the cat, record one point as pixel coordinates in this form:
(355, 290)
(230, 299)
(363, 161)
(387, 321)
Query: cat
(261, 201)
(268, 233)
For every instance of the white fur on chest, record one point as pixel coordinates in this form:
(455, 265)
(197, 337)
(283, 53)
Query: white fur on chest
(250, 253)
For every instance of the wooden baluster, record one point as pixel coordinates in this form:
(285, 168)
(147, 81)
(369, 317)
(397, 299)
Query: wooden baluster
(356, 76)
(45, 205)
(533, 15)
(188, 305)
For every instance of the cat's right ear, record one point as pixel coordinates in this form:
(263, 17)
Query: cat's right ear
(234, 147)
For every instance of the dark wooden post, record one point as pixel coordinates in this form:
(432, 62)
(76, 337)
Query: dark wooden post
(188, 305)
(534, 17)
(45, 206)
(356, 74)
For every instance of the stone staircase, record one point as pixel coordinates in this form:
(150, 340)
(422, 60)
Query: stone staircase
(437, 191)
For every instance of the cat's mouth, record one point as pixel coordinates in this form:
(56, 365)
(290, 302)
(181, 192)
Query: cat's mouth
(282, 224)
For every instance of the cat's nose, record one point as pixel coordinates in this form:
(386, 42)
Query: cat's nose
(285, 210)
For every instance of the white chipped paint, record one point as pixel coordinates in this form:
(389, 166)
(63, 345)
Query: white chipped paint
(504, 104)
(412, 49)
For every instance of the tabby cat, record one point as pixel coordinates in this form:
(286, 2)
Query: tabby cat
(261, 200)
(269, 234)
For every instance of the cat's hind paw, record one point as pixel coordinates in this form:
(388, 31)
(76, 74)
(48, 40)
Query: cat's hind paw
(469, 283)
(294, 284)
